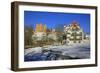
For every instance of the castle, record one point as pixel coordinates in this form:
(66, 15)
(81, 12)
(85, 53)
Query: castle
(72, 33)
(40, 28)
(39, 32)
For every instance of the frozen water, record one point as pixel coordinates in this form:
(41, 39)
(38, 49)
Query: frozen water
(60, 52)
(35, 50)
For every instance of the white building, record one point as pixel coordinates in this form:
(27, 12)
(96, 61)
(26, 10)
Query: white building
(74, 34)
(38, 36)
(53, 35)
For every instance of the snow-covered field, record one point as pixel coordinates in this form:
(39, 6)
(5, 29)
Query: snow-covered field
(58, 52)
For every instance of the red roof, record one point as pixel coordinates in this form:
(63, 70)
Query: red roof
(74, 24)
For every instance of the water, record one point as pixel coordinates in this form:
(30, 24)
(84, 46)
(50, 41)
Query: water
(58, 54)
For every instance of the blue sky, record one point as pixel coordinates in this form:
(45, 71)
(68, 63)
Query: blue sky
(53, 19)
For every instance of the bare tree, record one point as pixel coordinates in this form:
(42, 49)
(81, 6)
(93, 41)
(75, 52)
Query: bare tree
(59, 28)
(28, 32)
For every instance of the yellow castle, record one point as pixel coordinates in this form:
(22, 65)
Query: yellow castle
(40, 28)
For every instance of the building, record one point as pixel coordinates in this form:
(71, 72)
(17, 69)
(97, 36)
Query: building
(73, 32)
(40, 32)
(40, 28)
(53, 35)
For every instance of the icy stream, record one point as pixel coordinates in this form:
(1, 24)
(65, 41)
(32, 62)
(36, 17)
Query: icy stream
(61, 52)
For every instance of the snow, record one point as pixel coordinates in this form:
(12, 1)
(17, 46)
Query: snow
(77, 50)
(35, 50)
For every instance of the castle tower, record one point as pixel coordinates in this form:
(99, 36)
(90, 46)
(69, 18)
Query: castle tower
(40, 28)
(44, 28)
(37, 28)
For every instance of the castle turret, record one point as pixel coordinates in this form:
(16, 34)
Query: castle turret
(40, 28)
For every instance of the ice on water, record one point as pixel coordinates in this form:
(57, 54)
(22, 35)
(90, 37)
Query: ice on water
(73, 51)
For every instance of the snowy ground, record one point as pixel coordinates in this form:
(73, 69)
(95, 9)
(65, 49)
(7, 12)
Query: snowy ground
(58, 52)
